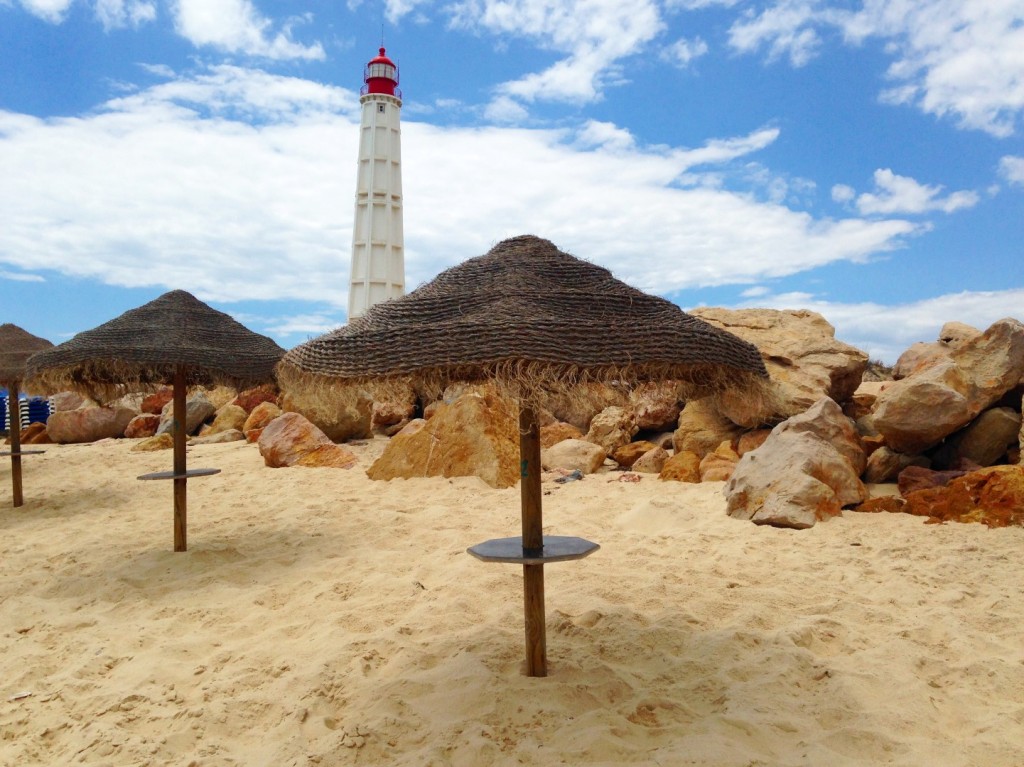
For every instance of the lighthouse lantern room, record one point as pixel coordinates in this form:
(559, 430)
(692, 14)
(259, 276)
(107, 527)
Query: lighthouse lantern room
(378, 257)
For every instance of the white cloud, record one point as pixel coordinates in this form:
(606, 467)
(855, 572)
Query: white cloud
(124, 13)
(903, 195)
(20, 276)
(1012, 169)
(49, 10)
(174, 187)
(843, 193)
(957, 58)
(309, 325)
(885, 331)
(605, 135)
(236, 26)
(595, 35)
(682, 52)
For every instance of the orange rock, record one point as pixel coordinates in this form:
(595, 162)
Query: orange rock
(249, 399)
(154, 403)
(890, 503)
(719, 465)
(628, 454)
(992, 496)
(557, 432)
(291, 438)
(684, 466)
(35, 434)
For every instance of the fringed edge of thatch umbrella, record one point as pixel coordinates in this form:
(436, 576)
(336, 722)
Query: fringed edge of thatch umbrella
(106, 380)
(531, 383)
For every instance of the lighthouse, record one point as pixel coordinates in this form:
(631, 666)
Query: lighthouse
(378, 256)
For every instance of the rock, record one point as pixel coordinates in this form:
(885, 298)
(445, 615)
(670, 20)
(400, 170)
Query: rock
(612, 428)
(197, 410)
(228, 418)
(34, 434)
(651, 462)
(212, 438)
(476, 435)
(752, 440)
(88, 424)
(250, 399)
(159, 442)
(986, 439)
(627, 455)
(341, 413)
(863, 400)
(656, 405)
(718, 465)
(917, 412)
(662, 439)
(807, 470)
(682, 467)
(557, 432)
(154, 403)
(69, 400)
(885, 465)
(993, 496)
(142, 426)
(581, 406)
(573, 455)
(393, 412)
(804, 360)
(956, 334)
(288, 439)
(918, 357)
(914, 478)
(702, 428)
(260, 416)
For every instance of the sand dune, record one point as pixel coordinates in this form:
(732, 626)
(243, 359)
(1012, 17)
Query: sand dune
(319, 618)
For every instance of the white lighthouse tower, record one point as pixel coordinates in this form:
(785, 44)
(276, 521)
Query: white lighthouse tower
(378, 256)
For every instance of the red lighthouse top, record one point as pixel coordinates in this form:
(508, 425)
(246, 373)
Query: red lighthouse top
(381, 76)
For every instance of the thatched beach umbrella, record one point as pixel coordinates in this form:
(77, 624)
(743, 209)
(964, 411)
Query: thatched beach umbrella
(175, 339)
(534, 320)
(16, 346)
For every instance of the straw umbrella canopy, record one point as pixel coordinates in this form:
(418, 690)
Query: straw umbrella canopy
(16, 346)
(534, 320)
(175, 340)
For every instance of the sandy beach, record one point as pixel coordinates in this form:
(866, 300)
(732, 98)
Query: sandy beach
(320, 618)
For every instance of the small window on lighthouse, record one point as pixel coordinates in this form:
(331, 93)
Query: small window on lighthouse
(380, 108)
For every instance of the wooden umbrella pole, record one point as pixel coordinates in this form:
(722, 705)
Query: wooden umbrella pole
(180, 480)
(533, 541)
(15, 431)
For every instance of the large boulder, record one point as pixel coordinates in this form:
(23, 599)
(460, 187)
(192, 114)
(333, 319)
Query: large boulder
(250, 399)
(154, 403)
(656, 405)
(627, 455)
(986, 439)
(476, 435)
(682, 466)
(228, 418)
(651, 462)
(260, 416)
(917, 412)
(555, 432)
(807, 470)
(340, 413)
(612, 428)
(579, 406)
(993, 496)
(702, 428)
(292, 440)
(719, 464)
(142, 426)
(198, 409)
(88, 424)
(573, 455)
(804, 360)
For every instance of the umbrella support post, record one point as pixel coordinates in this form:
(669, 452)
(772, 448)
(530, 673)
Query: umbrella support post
(15, 430)
(180, 480)
(533, 541)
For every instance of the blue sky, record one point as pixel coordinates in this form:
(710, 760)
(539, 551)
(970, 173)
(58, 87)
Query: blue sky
(861, 159)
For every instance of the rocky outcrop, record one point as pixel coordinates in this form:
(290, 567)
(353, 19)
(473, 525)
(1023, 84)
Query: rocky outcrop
(154, 403)
(580, 407)
(719, 464)
(651, 462)
(917, 412)
(292, 440)
(250, 399)
(656, 405)
(807, 470)
(629, 454)
(804, 361)
(88, 424)
(261, 415)
(987, 438)
(993, 496)
(476, 435)
(558, 431)
(228, 418)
